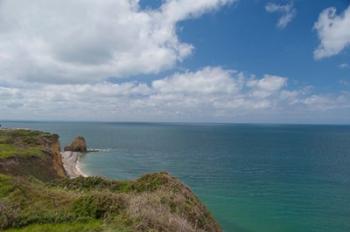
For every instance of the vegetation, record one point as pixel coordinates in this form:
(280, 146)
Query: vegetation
(22, 143)
(163, 204)
(154, 202)
(91, 226)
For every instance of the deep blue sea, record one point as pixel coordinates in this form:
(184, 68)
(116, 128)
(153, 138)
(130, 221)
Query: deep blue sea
(271, 178)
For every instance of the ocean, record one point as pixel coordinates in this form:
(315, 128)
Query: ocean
(251, 177)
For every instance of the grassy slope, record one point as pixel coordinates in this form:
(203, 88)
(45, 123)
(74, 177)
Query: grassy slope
(154, 202)
(91, 226)
(21, 143)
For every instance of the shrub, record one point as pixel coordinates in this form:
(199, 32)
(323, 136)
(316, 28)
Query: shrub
(98, 205)
(6, 185)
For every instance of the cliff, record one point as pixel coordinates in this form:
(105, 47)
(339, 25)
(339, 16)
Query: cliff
(30, 153)
(35, 195)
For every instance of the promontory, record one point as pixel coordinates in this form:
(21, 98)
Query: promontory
(37, 195)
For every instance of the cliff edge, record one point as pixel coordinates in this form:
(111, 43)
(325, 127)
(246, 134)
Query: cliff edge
(36, 195)
(30, 153)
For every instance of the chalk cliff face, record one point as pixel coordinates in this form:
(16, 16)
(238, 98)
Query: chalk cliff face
(51, 202)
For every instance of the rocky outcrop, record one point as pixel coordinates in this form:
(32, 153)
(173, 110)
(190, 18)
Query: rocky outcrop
(78, 145)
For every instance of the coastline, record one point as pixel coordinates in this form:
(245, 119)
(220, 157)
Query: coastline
(78, 167)
(44, 171)
(71, 165)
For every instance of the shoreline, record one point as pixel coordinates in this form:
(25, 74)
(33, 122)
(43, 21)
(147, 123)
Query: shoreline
(71, 165)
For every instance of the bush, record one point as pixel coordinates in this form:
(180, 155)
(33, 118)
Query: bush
(98, 205)
(89, 226)
(6, 185)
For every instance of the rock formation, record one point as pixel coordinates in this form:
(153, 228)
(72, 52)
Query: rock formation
(78, 145)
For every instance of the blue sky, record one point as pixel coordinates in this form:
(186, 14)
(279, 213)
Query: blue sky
(244, 36)
(278, 61)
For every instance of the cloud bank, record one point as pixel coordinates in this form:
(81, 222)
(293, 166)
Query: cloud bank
(62, 41)
(208, 94)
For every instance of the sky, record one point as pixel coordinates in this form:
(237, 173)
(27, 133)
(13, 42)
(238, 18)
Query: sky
(239, 61)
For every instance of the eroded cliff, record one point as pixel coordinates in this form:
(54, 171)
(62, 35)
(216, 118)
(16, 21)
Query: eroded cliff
(30, 153)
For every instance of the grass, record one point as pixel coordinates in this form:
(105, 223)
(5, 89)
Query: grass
(149, 182)
(91, 226)
(28, 201)
(6, 185)
(155, 202)
(9, 150)
(22, 143)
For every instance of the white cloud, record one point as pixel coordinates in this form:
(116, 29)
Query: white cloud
(267, 86)
(55, 57)
(206, 81)
(209, 94)
(62, 41)
(333, 31)
(287, 12)
(327, 102)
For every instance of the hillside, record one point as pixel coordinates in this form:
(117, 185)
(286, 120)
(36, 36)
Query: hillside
(35, 194)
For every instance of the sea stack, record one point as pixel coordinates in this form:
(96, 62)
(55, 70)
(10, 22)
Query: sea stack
(78, 145)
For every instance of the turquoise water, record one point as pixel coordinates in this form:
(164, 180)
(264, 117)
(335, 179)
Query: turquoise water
(252, 177)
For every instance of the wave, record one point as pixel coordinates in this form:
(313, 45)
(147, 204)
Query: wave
(99, 149)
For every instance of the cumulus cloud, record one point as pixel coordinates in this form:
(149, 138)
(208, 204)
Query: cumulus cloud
(287, 12)
(267, 86)
(62, 41)
(333, 32)
(57, 57)
(206, 81)
(208, 94)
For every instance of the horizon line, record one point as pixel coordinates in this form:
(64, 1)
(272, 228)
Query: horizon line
(177, 122)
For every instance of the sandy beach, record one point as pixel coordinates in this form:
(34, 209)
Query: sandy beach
(70, 162)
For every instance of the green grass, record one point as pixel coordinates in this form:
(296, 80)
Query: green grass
(91, 226)
(10, 150)
(22, 143)
(6, 185)
(154, 202)
(27, 201)
(147, 183)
